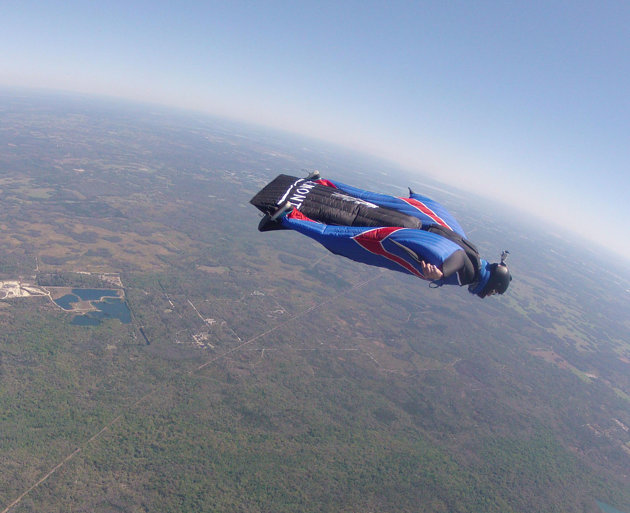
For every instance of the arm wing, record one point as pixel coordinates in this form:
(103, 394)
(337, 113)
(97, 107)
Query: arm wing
(399, 249)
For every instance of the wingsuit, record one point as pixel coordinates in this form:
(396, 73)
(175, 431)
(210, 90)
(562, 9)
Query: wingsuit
(378, 229)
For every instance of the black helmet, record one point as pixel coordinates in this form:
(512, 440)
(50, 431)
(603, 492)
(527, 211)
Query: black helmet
(499, 281)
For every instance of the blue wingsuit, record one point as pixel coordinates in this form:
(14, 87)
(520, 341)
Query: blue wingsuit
(438, 240)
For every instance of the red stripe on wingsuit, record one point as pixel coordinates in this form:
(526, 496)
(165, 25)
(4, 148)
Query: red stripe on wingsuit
(327, 183)
(426, 210)
(372, 240)
(296, 214)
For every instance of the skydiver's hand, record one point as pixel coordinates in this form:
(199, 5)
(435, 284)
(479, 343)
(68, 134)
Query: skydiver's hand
(430, 271)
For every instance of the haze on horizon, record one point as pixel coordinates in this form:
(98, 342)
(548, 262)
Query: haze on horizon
(524, 102)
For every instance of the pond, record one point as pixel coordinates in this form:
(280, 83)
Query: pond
(85, 295)
(108, 308)
(108, 304)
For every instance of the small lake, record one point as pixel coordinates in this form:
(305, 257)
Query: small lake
(108, 304)
(108, 308)
(85, 295)
(65, 301)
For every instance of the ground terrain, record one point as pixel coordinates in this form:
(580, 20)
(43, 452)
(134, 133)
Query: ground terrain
(261, 373)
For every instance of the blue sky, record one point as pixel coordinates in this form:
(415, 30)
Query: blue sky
(524, 101)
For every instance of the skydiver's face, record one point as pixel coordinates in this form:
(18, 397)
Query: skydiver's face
(491, 293)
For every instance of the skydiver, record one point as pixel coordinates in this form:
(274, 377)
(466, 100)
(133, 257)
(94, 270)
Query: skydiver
(415, 235)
